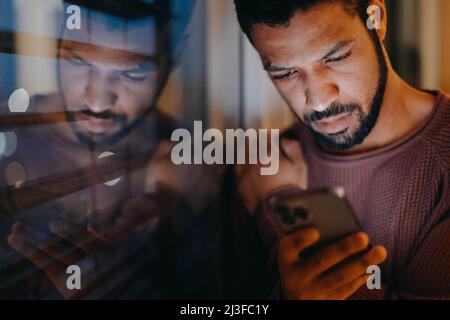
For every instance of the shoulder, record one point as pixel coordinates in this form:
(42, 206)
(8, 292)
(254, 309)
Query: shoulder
(438, 137)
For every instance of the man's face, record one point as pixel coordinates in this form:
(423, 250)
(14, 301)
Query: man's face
(108, 85)
(329, 70)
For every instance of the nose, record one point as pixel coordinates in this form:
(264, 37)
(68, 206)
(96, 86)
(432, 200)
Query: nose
(99, 95)
(320, 94)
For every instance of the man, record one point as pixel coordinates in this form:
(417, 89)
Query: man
(105, 195)
(363, 128)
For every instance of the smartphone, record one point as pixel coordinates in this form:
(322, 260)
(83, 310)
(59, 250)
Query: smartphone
(326, 209)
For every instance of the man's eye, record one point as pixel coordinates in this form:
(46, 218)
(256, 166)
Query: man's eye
(338, 59)
(135, 76)
(284, 76)
(78, 62)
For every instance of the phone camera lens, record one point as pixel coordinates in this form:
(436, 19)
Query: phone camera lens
(301, 213)
(288, 219)
(282, 210)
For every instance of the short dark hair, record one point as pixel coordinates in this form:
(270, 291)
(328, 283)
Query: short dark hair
(279, 12)
(117, 15)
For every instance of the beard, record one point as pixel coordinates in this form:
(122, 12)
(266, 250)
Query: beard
(95, 139)
(125, 125)
(348, 139)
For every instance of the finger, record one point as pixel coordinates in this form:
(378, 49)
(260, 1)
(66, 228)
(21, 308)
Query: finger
(291, 246)
(122, 229)
(140, 212)
(334, 253)
(39, 258)
(82, 239)
(48, 243)
(348, 289)
(352, 270)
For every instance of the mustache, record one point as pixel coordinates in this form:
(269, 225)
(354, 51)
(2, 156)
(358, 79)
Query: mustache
(334, 110)
(105, 115)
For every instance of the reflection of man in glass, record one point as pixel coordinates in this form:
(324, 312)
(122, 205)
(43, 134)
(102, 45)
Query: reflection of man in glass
(111, 73)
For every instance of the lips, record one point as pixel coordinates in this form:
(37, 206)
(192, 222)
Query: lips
(333, 125)
(96, 125)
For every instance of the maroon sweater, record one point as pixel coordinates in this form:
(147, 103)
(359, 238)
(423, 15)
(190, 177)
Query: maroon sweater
(401, 195)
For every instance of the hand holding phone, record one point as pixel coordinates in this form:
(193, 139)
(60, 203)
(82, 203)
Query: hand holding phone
(318, 259)
(326, 209)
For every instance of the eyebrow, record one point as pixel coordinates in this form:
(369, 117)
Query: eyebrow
(68, 45)
(271, 68)
(142, 67)
(340, 45)
(337, 47)
(146, 66)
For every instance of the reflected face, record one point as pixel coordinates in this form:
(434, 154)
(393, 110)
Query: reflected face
(108, 78)
(329, 69)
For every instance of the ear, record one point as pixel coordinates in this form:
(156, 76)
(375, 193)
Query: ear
(380, 13)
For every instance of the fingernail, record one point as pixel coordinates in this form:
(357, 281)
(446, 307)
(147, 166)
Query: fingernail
(362, 239)
(379, 253)
(18, 227)
(313, 233)
(13, 240)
